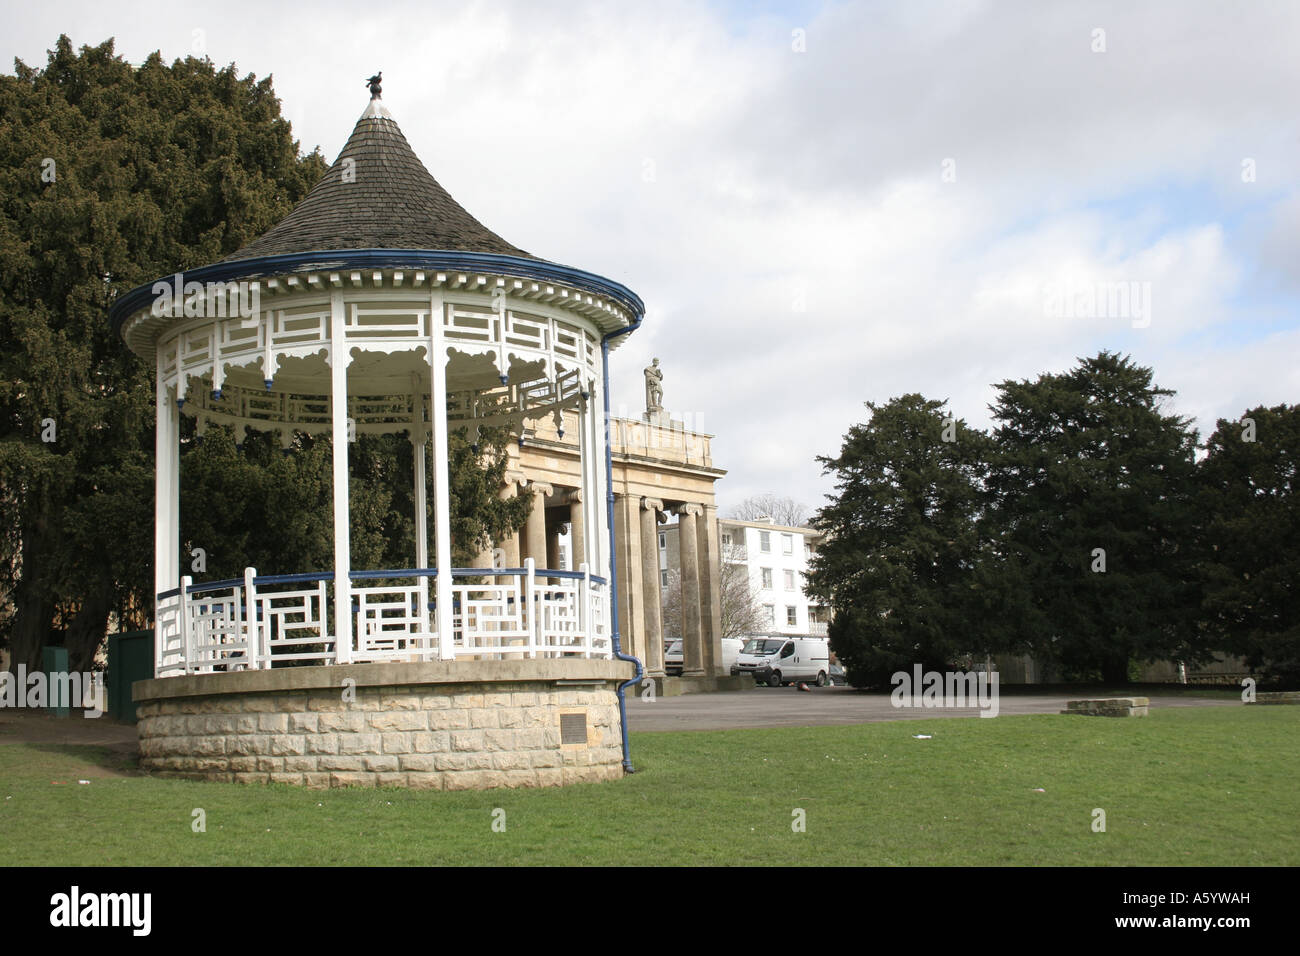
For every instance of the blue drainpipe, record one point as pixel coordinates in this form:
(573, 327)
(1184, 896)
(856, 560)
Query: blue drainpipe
(613, 553)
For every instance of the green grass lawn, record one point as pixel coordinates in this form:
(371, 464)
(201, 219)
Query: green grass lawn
(1195, 786)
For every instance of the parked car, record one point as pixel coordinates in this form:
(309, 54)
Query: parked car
(674, 659)
(837, 675)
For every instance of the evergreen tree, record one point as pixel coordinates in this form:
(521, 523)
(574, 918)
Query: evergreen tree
(1251, 568)
(900, 560)
(110, 176)
(1095, 517)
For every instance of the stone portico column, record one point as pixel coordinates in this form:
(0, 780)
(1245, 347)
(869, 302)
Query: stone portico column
(653, 606)
(510, 545)
(710, 590)
(576, 528)
(692, 628)
(628, 555)
(483, 556)
(482, 559)
(535, 529)
(553, 533)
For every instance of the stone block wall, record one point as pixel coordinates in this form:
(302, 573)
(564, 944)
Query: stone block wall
(441, 736)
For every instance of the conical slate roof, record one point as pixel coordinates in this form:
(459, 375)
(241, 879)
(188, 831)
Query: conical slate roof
(383, 199)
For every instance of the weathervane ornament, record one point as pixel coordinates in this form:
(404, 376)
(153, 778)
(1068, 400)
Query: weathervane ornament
(376, 92)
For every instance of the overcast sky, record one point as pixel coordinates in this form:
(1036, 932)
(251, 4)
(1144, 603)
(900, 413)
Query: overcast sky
(824, 204)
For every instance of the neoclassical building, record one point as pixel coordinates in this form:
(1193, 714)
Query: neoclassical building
(663, 475)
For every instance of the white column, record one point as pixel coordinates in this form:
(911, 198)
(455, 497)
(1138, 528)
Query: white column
(421, 507)
(585, 483)
(597, 542)
(339, 360)
(166, 542)
(421, 522)
(441, 476)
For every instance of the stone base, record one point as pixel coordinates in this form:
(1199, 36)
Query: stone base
(677, 686)
(1109, 707)
(1278, 697)
(463, 725)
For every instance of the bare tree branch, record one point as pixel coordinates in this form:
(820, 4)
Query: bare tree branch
(741, 611)
(783, 510)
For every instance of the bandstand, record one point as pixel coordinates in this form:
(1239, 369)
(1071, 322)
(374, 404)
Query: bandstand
(378, 306)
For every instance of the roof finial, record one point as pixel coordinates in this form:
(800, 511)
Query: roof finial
(376, 92)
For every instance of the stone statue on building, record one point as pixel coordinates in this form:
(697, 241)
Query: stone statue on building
(376, 91)
(654, 390)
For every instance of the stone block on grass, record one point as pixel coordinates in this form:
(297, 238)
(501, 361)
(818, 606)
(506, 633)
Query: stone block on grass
(1109, 707)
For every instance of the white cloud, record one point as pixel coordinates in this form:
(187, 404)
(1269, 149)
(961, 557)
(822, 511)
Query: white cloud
(696, 157)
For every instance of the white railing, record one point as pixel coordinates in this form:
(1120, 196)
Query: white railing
(392, 621)
(290, 618)
(272, 620)
(169, 640)
(491, 614)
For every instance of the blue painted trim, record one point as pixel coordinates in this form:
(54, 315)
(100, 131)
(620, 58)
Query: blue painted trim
(215, 585)
(394, 573)
(436, 260)
(308, 577)
(479, 572)
(305, 577)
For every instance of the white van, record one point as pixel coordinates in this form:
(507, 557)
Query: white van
(781, 660)
(674, 658)
(731, 648)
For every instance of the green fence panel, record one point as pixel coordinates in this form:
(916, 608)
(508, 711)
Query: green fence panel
(54, 661)
(130, 658)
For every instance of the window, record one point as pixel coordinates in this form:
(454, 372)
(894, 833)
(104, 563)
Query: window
(792, 616)
(726, 540)
(770, 611)
(663, 579)
(787, 544)
(789, 580)
(663, 540)
(767, 577)
(788, 650)
(765, 542)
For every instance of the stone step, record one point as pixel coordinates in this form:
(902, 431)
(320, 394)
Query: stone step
(677, 686)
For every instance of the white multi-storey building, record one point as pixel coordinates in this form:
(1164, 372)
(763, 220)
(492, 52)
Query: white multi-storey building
(776, 559)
